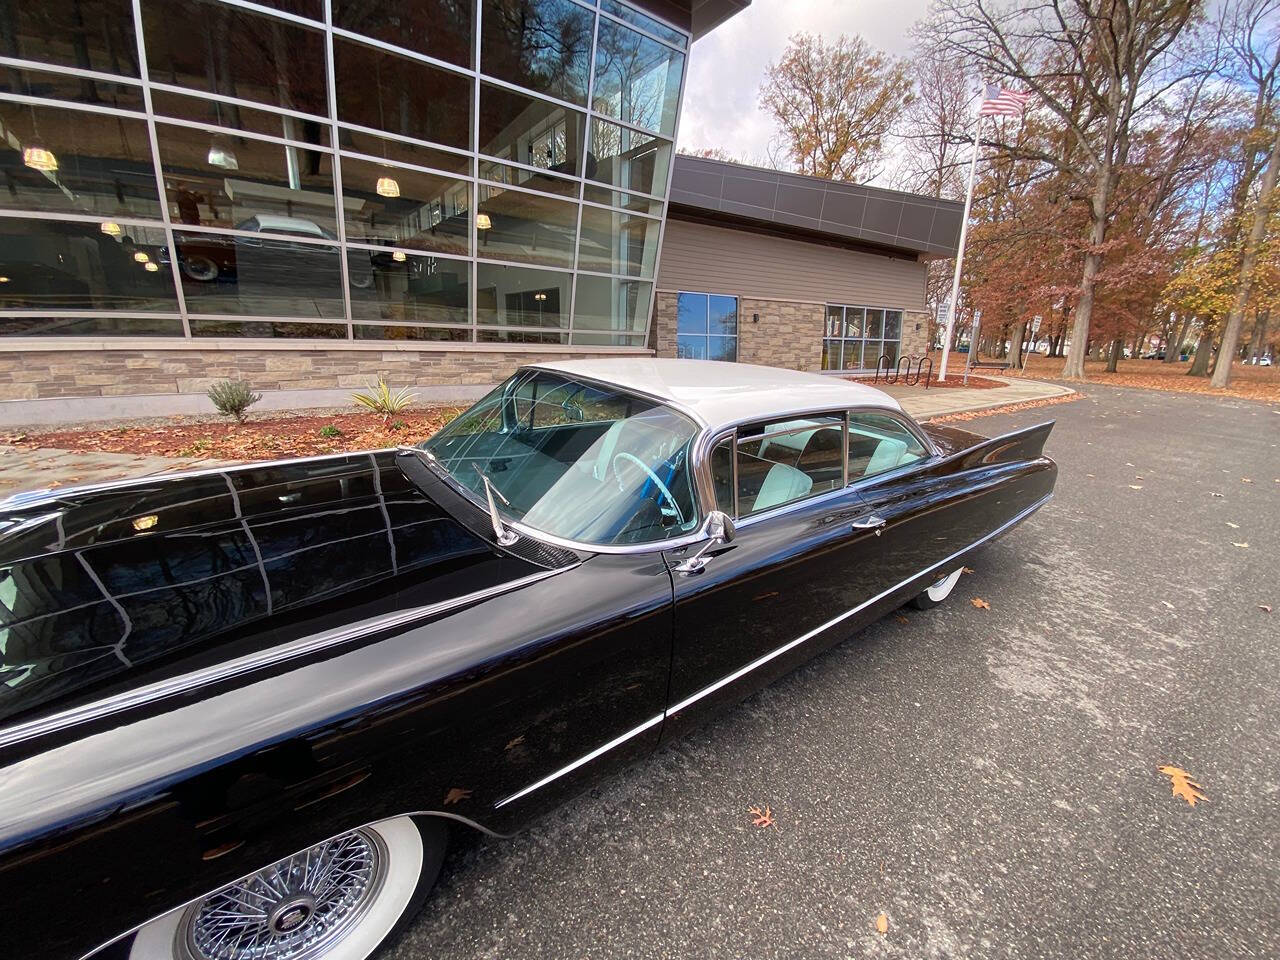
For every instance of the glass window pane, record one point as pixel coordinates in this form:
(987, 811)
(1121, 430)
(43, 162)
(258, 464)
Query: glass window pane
(438, 28)
(103, 162)
(42, 326)
(852, 356)
(617, 242)
(785, 461)
(628, 201)
(547, 182)
(235, 52)
(400, 95)
(534, 132)
(722, 474)
(287, 329)
(400, 152)
(225, 180)
(691, 313)
(625, 158)
(835, 321)
(661, 30)
(724, 316)
(606, 304)
(409, 290)
(691, 348)
(878, 443)
(637, 79)
(235, 117)
(259, 276)
(542, 45)
(526, 227)
(521, 297)
(425, 212)
(892, 324)
(588, 339)
(853, 317)
(890, 349)
(381, 332)
(522, 336)
(722, 348)
(874, 325)
(91, 34)
(51, 266)
(57, 86)
(830, 354)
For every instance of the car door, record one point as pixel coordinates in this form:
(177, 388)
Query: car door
(785, 586)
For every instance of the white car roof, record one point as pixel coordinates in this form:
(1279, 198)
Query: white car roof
(719, 393)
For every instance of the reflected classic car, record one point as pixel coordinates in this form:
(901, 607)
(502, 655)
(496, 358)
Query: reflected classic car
(241, 708)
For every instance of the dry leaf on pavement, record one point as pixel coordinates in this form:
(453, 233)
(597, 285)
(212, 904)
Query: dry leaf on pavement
(762, 818)
(1233, 526)
(456, 795)
(1183, 785)
(1135, 486)
(1245, 480)
(980, 603)
(900, 618)
(1264, 607)
(968, 569)
(882, 924)
(1234, 544)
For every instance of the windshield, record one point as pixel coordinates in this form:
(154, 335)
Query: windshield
(576, 460)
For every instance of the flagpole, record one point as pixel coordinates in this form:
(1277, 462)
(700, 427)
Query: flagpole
(964, 233)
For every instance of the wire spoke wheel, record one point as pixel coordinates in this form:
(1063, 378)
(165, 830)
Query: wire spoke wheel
(295, 909)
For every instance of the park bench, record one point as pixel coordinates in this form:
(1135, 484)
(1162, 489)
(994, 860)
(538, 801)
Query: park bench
(990, 364)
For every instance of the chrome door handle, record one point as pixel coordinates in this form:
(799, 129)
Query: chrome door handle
(870, 522)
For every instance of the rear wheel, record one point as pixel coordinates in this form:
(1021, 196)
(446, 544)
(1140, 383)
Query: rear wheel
(938, 592)
(339, 900)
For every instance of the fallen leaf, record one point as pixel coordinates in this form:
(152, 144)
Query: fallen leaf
(1245, 480)
(980, 603)
(1233, 526)
(1264, 607)
(968, 569)
(1167, 604)
(1135, 486)
(1234, 544)
(1218, 495)
(1182, 784)
(515, 742)
(456, 795)
(762, 818)
(900, 618)
(882, 924)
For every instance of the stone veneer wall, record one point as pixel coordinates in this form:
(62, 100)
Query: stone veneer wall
(105, 371)
(915, 342)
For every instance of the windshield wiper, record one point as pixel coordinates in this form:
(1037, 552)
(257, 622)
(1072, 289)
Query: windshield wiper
(505, 537)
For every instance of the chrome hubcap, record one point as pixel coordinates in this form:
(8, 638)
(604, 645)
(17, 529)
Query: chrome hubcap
(295, 909)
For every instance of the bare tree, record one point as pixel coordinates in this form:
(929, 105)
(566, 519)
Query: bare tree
(1099, 67)
(936, 128)
(835, 104)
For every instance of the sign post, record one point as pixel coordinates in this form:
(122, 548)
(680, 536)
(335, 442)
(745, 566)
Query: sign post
(1035, 329)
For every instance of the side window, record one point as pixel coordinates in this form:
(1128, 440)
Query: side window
(722, 474)
(878, 443)
(788, 460)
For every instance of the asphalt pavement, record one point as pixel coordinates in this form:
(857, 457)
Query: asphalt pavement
(986, 779)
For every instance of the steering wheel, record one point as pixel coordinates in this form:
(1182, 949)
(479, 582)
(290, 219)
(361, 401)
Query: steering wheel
(662, 487)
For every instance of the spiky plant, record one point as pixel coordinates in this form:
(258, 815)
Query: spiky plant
(385, 402)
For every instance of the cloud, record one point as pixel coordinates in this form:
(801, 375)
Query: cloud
(727, 65)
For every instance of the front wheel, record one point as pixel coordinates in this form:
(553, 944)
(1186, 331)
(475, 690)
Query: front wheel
(938, 592)
(339, 900)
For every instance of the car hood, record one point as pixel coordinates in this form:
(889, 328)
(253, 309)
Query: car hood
(107, 587)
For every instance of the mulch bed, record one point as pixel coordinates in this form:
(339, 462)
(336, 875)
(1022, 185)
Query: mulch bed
(954, 381)
(265, 439)
(1007, 408)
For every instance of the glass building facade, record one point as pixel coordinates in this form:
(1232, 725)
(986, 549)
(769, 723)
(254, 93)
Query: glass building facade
(491, 171)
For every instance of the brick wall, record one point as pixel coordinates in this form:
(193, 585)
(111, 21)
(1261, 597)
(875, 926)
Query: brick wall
(36, 374)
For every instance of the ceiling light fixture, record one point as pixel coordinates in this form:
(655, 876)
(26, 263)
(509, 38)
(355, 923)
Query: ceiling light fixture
(140, 256)
(398, 256)
(221, 155)
(145, 522)
(483, 222)
(111, 229)
(37, 157)
(539, 295)
(388, 187)
(150, 267)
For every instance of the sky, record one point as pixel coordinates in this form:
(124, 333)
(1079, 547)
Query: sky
(727, 65)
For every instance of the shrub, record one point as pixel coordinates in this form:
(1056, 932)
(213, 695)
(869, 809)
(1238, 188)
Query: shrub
(233, 398)
(398, 425)
(329, 430)
(382, 401)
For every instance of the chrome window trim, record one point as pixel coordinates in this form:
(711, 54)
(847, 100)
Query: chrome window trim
(772, 655)
(248, 663)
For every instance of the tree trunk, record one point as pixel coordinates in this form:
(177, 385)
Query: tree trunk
(1173, 349)
(1019, 331)
(1204, 352)
(1244, 285)
(1073, 369)
(1117, 348)
(1258, 345)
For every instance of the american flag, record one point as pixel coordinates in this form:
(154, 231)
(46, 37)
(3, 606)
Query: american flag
(1001, 101)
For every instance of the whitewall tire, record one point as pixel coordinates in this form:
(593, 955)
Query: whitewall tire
(938, 592)
(339, 900)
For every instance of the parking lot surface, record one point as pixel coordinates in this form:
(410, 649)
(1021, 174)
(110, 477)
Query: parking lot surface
(985, 778)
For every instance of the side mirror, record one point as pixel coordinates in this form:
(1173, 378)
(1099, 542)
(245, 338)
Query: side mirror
(717, 528)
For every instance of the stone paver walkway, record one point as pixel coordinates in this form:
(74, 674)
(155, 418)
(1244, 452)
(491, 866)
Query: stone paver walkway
(24, 469)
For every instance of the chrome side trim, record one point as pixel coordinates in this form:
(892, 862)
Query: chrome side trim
(587, 758)
(253, 661)
(761, 661)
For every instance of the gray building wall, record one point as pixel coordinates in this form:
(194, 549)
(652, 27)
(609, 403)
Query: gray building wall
(711, 259)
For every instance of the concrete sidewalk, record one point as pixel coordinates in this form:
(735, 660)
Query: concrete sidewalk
(24, 469)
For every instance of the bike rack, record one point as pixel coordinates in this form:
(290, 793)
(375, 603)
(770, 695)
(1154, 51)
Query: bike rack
(907, 375)
(882, 362)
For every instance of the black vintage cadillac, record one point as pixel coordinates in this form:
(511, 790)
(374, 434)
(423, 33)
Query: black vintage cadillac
(242, 708)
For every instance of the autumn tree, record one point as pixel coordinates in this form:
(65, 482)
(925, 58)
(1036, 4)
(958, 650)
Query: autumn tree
(1099, 68)
(835, 104)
